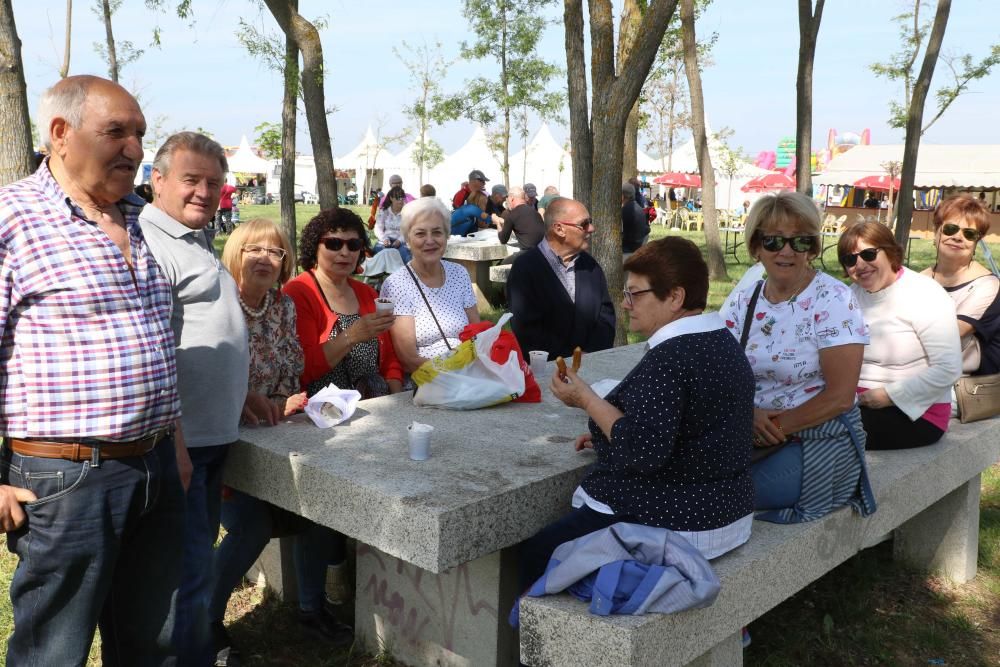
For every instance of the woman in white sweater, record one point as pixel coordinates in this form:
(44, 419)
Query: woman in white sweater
(913, 357)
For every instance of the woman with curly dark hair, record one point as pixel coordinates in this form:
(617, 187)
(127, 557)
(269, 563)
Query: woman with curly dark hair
(344, 340)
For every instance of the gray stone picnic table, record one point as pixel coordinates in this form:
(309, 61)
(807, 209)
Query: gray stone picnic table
(477, 257)
(436, 574)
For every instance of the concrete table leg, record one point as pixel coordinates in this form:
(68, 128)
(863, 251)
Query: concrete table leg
(482, 286)
(456, 618)
(944, 537)
(276, 567)
(728, 653)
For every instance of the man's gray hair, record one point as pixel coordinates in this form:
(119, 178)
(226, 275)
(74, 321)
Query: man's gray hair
(516, 192)
(422, 208)
(189, 141)
(628, 190)
(63, 100)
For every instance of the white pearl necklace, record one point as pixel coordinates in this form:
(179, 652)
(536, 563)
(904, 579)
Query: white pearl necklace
(255, 313)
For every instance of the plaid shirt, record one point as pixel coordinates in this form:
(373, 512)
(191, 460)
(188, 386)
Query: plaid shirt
(86, 350)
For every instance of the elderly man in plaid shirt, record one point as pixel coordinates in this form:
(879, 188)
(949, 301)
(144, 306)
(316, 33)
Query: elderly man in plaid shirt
(92, 473)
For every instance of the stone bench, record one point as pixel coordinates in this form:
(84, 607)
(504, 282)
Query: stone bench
(499, 273)
(928, 500)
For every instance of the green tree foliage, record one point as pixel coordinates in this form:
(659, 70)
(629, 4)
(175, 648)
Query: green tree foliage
(428, 68)
(117, 53)
(507, 33)
(268, 138)
(962, 69)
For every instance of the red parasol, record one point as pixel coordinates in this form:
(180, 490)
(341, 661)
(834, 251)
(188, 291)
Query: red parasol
(678, 180)
(773, 181)
(882, 182)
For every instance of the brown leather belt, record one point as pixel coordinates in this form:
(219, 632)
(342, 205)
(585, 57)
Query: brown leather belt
(78, 452)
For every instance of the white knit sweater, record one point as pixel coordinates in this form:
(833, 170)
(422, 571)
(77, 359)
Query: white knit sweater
(914, 350)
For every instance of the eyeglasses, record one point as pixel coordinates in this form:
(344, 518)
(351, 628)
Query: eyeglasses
(950, 229)
(254, 250)
(868, 254)
(630, 296)
(773, 243)
(334, 244)
(583, 225)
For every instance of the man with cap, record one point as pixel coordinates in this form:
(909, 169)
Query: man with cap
(531, 194)
(476, 183)
(494, 205)
(395, 180)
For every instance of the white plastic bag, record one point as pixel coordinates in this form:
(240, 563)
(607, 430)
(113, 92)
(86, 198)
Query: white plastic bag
(331, 405)
(466, 378)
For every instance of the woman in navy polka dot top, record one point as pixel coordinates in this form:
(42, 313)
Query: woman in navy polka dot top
(673, 439)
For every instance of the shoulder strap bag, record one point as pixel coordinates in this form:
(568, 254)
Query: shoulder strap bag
(758, 453)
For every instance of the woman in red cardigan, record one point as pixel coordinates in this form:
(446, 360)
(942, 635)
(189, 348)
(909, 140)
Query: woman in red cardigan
(344, 340)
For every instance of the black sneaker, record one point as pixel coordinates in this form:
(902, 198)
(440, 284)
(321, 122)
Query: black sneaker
(324, 626)
(226, 655)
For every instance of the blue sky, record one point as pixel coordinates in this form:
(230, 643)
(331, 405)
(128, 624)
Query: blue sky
(202, 76)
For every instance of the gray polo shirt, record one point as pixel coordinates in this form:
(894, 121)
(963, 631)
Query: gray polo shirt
(213, 360)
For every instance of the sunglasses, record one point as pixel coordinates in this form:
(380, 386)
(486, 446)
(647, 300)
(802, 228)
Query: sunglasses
(868, 254)
(334, 244)
(950, 229)
(582, 226)
(773, 243)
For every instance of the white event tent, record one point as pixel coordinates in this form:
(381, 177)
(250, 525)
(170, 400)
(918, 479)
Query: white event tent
(543, 162)
(474, 154)
(245, 161)
(961, 166)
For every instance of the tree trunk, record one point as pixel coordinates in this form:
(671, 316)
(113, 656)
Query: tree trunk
(808, 30)
(629, 28)
(112, 57)
(580, 138)
(914, 122)
(716, 258)
(504, 83)
(16, 155)
(307, 38)
(64, 70)
(612, 100)
(289, 109)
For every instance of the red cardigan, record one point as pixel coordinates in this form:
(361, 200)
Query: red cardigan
(314, 321)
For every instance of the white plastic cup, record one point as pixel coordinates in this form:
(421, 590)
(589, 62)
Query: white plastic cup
(384, 306)
(420, 441)
(538, 360)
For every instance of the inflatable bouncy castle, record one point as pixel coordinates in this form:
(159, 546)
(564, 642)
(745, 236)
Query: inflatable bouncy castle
(783, 159)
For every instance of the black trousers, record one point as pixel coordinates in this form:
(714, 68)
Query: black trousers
(890, 428)
(534, 553)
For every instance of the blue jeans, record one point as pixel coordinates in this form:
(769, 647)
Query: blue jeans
(404, 251)
(192, 635)
(464, 227)
(250, 523)
(101, 548)
(777, 479)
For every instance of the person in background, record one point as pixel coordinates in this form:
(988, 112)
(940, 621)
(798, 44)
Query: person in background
(804, 336)
(635, 222)
(743, 209)
(260, 259)
(551, 192)
(959, 223)
(673, 438)
(557, 292)
(640, 198)
(476, 183)
(494, 205)
(211, 342)
(87, 357)
(531, 194)
(521, 219)
(433, 298)
(145, 191)
(459, 197)
(224, 218)
(427, 190)
(914, 356)
(472, 216)
(388, 220)
(396, 181)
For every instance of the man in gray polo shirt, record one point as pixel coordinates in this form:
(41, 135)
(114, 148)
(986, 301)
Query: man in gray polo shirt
(212, 357)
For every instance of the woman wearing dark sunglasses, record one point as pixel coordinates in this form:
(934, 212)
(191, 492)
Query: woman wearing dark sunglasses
(803, 334)
(344, 340)
(914, 356)
(959, 222)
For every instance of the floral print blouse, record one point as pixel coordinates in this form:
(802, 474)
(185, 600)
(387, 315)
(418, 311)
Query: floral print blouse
(276, 359)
